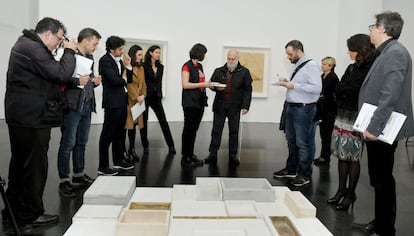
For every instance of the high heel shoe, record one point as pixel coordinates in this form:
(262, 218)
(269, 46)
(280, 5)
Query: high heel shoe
(133, 155)
(336, 199)
(347, 201)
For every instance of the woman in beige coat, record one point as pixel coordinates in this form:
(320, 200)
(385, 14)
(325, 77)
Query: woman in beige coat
(137, 90)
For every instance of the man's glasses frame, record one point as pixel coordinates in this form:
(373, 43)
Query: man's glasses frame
(370, 27)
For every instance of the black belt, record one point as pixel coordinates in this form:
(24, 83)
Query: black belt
(294, 104)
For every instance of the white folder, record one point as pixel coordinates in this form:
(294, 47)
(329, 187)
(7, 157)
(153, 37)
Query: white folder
(391, 129)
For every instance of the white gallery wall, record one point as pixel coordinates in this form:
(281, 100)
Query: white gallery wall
(322, 25)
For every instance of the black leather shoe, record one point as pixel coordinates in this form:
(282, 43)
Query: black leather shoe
(367, 228)
(192, 161)
(44, 220)
(337, 198)
(82, 181)
(234, 161)
(171, 150)
(66, 189)
(211, 159)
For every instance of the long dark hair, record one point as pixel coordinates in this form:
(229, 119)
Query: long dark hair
(132, 54)
(147, 58)
(361, 43)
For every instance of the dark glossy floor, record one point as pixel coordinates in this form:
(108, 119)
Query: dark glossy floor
(263, 150)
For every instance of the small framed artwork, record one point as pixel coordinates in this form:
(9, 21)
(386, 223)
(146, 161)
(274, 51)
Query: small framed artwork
(257, 61)
(147, 43)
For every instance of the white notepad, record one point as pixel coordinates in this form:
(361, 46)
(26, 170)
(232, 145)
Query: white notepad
(391, 129)
(137, 110)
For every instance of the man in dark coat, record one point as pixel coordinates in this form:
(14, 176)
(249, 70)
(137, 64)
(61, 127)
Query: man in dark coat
(32, 108)
(233, 96)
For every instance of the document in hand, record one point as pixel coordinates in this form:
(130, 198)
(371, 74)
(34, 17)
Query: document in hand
(391, 129)
(83, 67)
(137, 110)
(217, 84)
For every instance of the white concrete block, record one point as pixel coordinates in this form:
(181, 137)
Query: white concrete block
(110, 190)
(215, 232)
(219, 227)
(183, 192)
(188, 209)
(149, 194)
(277, 208)
(97, 212)
(280, 192)
(208, 189)
(143, 223)
(91, 228)
(241, 208)
(256, 189)
(299, 205)
(311, 227)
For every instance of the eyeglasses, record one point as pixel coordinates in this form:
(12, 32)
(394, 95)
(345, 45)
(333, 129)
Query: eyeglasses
(61, 38)
(370, 27)
(57, 36)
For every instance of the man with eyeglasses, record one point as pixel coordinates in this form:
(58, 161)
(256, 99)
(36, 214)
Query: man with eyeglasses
(388, 86)
(32, 108)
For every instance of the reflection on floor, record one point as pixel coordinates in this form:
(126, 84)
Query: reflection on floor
(263, 151)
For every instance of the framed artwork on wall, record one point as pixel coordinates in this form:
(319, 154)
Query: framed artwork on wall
(257, 61)
(145, 44)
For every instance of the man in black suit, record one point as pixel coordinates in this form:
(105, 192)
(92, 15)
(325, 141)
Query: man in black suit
(114, 101)
(229, 102)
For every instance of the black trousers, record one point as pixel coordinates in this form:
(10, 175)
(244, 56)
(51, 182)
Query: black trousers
(325, 131)
(27, 171)
(156, 105)
(380, 167)
(222, 111)
(192, 119)
(113, 131)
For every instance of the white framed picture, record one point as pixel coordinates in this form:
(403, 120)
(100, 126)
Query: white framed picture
(257, 61)
(147, 43)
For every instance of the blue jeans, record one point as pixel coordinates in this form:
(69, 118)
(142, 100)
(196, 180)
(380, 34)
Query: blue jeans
(75, 133)
(300, 135)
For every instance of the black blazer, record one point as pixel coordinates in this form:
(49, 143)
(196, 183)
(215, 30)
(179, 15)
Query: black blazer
(153, 81)
(114, 95)
(241, 86)
(347, 90)
(327, 98)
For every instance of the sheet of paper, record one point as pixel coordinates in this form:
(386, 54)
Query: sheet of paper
(137, 110)
(391, 129)
(217, 84)
(278, 83)
(83, 67)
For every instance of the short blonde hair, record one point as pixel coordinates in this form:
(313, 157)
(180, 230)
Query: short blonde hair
(330, 61)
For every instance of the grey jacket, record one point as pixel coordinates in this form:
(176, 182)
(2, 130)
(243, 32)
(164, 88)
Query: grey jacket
(388, 86)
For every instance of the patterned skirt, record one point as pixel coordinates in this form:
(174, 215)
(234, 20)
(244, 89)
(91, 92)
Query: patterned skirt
(347, 144)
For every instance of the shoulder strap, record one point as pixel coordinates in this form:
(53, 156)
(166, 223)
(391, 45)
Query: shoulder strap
(298, 68)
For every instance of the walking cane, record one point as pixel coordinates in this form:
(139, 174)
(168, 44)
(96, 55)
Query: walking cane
(8, 207)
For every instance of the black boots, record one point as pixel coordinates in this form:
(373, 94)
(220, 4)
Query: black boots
(211, 159)
(132, 155)
(191, 161)
(366, 228)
